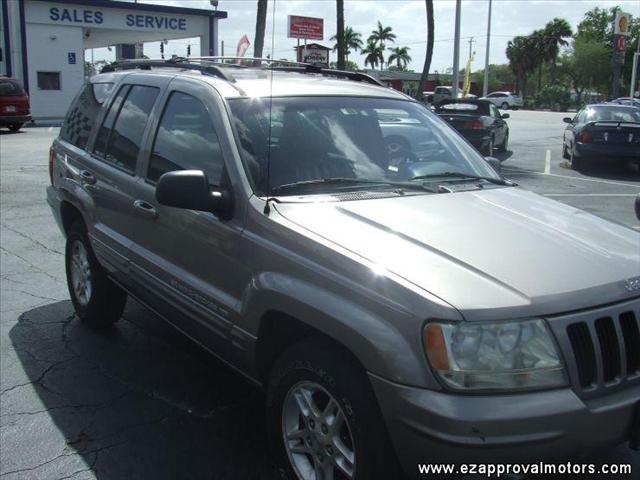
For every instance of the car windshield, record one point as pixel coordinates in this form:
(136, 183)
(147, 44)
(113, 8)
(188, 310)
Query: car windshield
(10, 89)
(375, 141)
(612, 114)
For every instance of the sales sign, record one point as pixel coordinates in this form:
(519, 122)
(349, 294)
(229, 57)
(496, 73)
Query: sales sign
(309, 28)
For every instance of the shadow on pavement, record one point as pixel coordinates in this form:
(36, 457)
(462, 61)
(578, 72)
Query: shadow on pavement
(136, 401)
(611, 170)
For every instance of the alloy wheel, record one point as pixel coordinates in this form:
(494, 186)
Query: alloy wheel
(81, 278)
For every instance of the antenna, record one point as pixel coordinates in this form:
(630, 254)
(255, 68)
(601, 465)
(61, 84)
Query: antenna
(267, 209)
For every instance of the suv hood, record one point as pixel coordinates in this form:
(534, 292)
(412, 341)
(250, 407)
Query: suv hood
(494, 253)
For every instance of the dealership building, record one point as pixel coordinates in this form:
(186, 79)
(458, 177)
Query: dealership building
(42, 42)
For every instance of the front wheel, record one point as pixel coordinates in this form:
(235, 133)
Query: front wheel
(505, 143)
(504, 106)
(14, 127)
(323, 419)
(98, 301)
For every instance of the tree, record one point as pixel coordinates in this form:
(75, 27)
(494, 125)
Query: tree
(555, 33)
(522, 55)
(352, 42)
(587, 66)
(340, 34)
(374, 54)
(429, 54)
(401, 56)
(349, 65)
(261, 21)
(381, 35)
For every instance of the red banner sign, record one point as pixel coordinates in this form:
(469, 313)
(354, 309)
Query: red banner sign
(306, 27)
(621, 43)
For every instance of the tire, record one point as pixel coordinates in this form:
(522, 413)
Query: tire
(14, 127)
(565, 154)
(505, 143)
(488, 150)
(504, 106)
(319, 371)
(98, 301)
(577, 163)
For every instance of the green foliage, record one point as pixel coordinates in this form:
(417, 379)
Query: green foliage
(498, 74)
(586, 66)
(556, 97)
(352, 41)
(349, 65)
(401, 56)
(374, 54)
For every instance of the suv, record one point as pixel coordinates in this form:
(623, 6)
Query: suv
(398, 306)
(505, 100)
(15, 110)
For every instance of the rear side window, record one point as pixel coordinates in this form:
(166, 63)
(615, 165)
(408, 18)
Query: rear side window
(120, 135)
(186, 140)
(83, 112)
(10, 88)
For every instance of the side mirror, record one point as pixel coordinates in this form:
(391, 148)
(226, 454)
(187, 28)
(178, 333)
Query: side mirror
(505, 115)
(495, 163)
(638, 206)
(190, 189)
(567, 120)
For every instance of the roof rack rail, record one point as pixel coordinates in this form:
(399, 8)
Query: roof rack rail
(268, 61)
(312, 68)
(176, 62)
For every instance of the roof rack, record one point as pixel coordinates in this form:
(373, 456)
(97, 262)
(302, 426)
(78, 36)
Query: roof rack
(312, 68)
(176, 62)
(253, 60)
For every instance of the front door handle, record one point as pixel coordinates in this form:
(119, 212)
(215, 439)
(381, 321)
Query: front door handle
(87, 177)
(145, 208)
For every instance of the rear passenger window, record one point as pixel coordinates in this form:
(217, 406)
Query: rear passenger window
(186, 140)
(120, 144)
(82, 114)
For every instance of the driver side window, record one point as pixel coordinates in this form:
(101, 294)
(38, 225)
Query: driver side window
(186, 140)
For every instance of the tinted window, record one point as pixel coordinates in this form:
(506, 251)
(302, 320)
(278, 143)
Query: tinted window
(186, 140)
(120, 144)
(49, 80)
(83, 112)
(10, 88)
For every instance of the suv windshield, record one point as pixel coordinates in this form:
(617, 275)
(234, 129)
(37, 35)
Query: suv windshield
(383, 141)
(10, 88)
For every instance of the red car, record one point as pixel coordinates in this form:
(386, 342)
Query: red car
(14, 104)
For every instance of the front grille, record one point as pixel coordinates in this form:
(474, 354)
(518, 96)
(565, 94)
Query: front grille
(601, 347)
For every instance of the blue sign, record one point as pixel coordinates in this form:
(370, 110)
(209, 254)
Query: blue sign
(71, 58)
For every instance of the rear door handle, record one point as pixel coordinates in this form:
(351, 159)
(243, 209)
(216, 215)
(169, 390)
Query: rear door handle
(145, 208)
(87, 177)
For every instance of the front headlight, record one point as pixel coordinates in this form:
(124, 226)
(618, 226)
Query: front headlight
(488, 356)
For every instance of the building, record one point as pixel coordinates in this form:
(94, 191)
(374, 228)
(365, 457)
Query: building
(42, 42)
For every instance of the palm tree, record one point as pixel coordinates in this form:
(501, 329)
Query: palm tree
(352, 42)
(374, 54)
(401, 56)
(340, 34)
(261, 21)
(429, 55)
(381, 35)
(521, 52)
(555, 33)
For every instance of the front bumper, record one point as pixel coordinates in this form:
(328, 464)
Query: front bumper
(11, 119)
(428, 426)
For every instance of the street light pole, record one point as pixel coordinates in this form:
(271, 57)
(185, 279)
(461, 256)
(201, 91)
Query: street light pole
(485, 85)
(634, 70)
(456, 51)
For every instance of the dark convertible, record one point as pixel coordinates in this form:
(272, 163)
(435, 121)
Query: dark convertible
(479, 121)
(602, 132)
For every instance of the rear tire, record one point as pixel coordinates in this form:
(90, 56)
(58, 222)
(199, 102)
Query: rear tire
(488, 150)
(317, 372)
(504, 106)
(577, 163)
(14, 127)
(565, 154)
(98, 301)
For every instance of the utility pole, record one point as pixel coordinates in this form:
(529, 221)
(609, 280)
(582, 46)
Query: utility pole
(485, 85)
(456, 51)
(634, 70)
(471, 40)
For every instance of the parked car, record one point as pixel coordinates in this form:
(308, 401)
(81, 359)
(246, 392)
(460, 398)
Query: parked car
(630, 101)
(14, 104)
(427, 97)
(479, 121)
(446, 93)
(428, 312)
(505, 100)
(604, 133)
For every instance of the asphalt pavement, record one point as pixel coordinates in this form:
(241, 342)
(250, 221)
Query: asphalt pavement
(142, 402)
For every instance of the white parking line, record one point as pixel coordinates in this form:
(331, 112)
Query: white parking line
(589, 194)
(506, 170)
(547, 162)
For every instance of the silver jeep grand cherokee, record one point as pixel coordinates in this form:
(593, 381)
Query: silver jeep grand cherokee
(399, 305)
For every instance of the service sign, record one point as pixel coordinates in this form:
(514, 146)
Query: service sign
(309, 28)
(315, 56)
(621, 23)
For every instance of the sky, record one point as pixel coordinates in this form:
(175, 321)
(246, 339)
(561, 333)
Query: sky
(406, 17)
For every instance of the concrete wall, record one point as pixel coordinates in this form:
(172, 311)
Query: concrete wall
(48, 47)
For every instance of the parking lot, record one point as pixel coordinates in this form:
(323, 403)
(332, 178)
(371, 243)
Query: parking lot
(141, 401)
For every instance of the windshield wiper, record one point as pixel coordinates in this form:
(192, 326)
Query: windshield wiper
(344, 181)
(464, 176)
